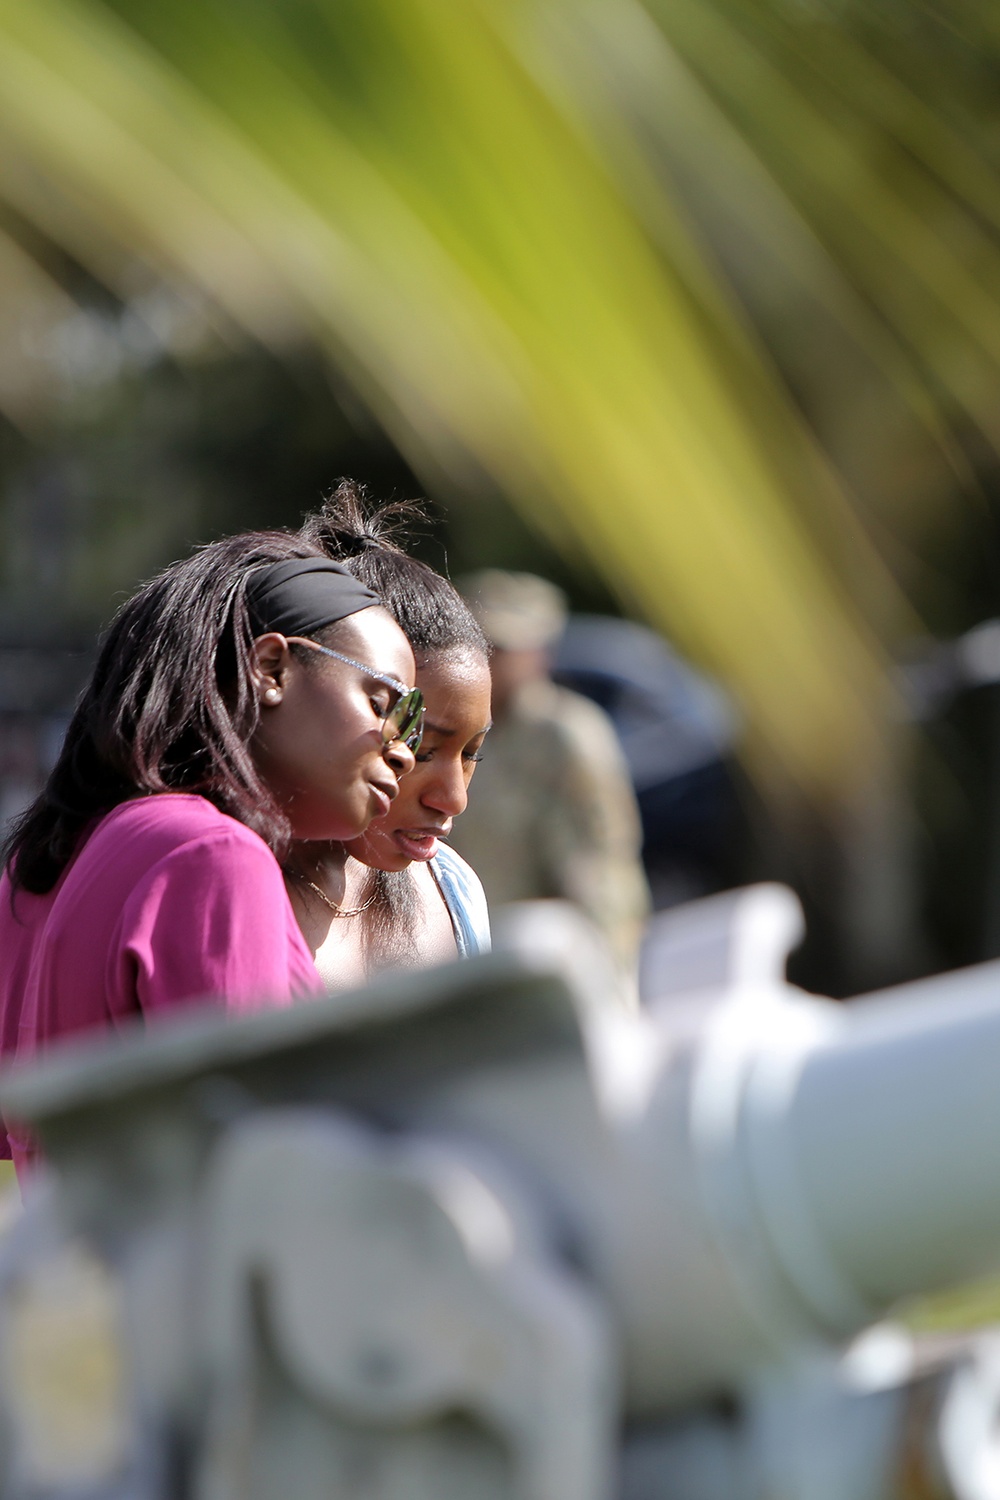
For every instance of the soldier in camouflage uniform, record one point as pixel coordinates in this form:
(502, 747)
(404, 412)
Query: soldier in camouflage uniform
(552, 812)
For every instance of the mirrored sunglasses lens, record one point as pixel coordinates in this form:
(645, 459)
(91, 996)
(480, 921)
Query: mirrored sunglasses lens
(405, 719)
(412, 730)
(416, 734)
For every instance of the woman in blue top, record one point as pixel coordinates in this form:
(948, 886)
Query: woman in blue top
(398, 895)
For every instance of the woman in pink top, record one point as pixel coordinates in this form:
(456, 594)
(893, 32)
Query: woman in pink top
(252, 694)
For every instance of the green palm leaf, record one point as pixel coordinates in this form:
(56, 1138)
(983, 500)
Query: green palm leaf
(511, 281)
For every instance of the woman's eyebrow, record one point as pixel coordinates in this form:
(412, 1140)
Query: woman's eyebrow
(441, 729)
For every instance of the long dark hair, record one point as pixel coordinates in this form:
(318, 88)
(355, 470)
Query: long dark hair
(170, 707)
(433, 616)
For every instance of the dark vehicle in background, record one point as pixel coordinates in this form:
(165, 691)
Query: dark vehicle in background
(678, 731)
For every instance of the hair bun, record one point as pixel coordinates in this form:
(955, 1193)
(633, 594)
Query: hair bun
(347, 524)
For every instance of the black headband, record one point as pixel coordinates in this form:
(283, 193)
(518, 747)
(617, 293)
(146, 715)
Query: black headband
(302, 595)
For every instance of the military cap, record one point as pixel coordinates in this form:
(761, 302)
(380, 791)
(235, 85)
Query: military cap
(516, 611)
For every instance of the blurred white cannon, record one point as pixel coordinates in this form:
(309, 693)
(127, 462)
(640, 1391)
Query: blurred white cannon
(486, 1232)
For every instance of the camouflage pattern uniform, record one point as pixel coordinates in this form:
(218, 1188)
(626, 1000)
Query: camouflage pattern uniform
(551, 809)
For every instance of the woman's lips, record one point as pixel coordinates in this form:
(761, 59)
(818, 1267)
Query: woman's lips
(417, 843)
(383, 798)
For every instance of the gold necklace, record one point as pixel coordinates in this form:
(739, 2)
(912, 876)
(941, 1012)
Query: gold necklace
(338, 911)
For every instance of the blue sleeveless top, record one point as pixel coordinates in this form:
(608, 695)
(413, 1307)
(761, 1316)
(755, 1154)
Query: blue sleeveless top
(463, 895)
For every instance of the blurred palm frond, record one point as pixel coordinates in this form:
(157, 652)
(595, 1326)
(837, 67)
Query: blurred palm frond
(507, 223)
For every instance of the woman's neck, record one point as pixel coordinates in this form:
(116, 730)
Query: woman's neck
(320, 863)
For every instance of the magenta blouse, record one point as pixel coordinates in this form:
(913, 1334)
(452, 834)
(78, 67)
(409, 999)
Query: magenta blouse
(167, 902)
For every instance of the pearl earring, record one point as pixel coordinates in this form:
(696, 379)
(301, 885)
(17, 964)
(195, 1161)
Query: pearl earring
(272, 695)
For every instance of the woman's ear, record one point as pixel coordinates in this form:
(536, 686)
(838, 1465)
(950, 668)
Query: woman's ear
(269, 656)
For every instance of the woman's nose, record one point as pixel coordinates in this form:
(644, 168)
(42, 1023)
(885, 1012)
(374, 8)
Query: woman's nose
(446, 792)
(399, 756)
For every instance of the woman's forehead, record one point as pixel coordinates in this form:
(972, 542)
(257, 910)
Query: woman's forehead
(456, 689)
(459, 671)
(373, 636)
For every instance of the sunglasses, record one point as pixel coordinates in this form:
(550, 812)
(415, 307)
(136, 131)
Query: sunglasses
(405, 719)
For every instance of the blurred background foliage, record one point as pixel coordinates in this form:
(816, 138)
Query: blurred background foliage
(690, 304)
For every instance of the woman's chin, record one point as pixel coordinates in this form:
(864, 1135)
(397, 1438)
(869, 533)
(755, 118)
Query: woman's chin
(346, 830)
(380, 854)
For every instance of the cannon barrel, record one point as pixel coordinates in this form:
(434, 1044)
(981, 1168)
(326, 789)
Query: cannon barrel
(884, 1142)
(745, 1167)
